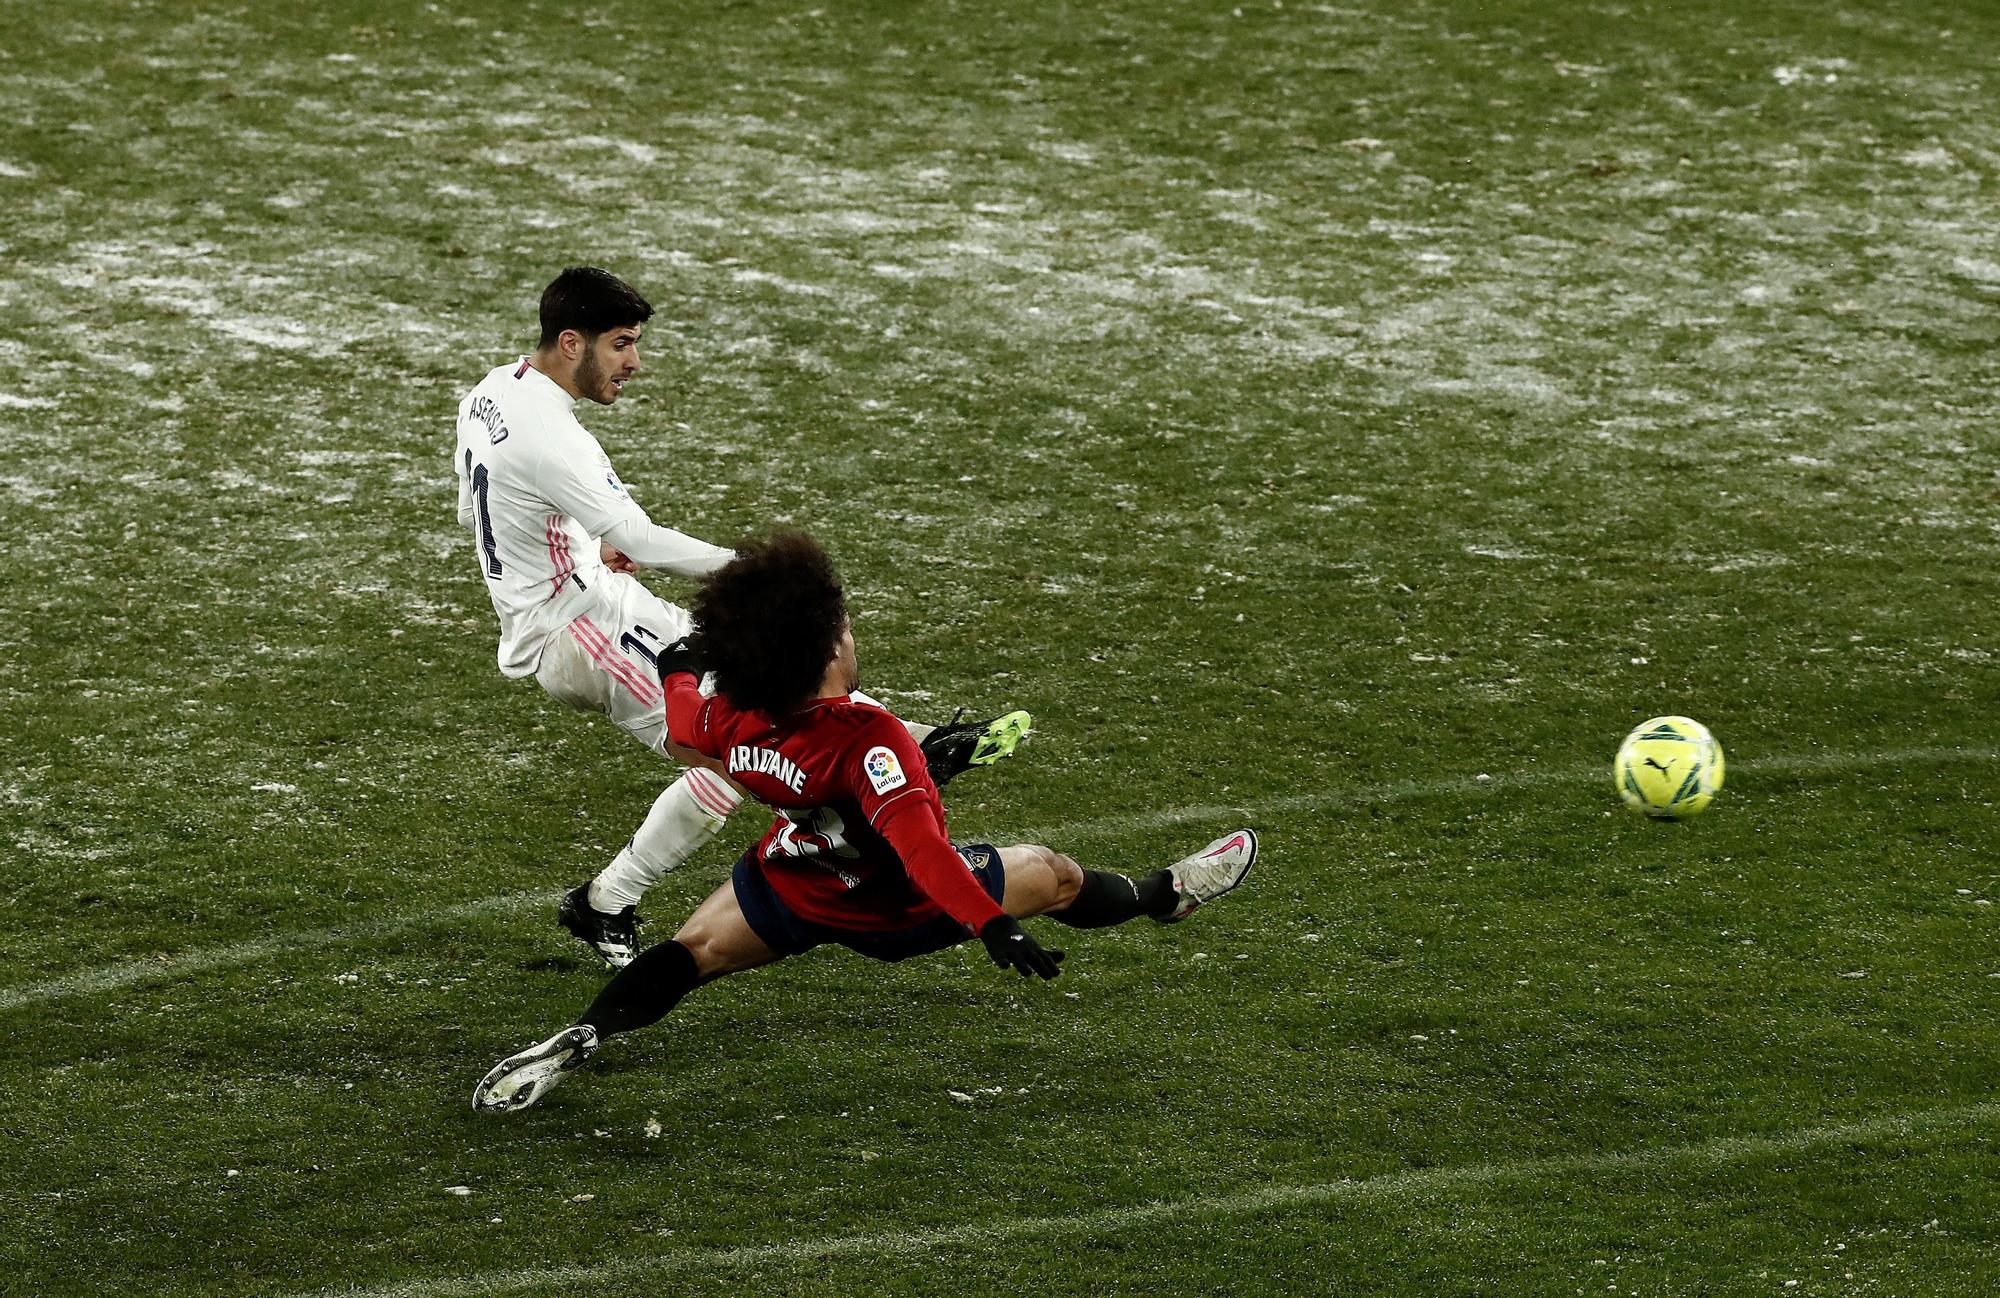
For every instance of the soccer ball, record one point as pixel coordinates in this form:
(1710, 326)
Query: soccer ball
(1669, 768)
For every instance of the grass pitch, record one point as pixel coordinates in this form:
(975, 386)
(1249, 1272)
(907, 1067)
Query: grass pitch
(1343, 419)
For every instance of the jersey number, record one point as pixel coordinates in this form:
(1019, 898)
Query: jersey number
(480, 507)
(631, 643)
(816, 832)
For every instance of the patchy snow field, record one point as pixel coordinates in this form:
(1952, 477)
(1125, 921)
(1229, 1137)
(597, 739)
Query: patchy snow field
(1351, 418)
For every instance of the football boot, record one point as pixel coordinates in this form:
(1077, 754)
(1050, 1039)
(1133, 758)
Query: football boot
(614, 935)
(956, 747)
(1206, 875)
(519, 1080)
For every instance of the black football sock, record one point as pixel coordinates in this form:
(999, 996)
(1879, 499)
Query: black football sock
(1106, 899)
(644, 991)
(1157, 895)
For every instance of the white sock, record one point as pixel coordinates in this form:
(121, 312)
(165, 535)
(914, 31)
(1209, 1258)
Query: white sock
(682, 820)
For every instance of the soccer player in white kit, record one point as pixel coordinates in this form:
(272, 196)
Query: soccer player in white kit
(558, 538)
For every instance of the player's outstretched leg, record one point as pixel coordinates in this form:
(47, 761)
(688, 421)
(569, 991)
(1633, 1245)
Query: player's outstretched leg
(715, 942)
(956, 747)
(520, 1079)
(1045, 882)
(682, 820)
(1202, 877)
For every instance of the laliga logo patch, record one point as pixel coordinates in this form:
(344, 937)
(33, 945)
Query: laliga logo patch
(616, 485)
(884, 771)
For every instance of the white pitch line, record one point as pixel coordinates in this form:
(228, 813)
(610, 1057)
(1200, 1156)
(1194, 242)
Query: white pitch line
(203, 960)
(1410, 790)
(676, 1264)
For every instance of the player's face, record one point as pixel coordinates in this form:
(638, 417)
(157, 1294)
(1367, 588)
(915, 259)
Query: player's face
(608, 362)
(846, 670)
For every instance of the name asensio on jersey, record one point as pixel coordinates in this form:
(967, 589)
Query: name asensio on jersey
(745, 758)
(487, 412)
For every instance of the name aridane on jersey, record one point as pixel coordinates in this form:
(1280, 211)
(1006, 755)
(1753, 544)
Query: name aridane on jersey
(860, 840)
(746, 760)
(538, 494)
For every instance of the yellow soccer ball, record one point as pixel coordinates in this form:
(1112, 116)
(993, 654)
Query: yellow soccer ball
(1669, 768)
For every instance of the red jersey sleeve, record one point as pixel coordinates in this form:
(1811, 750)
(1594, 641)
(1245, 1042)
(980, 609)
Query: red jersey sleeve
(691, 715)
(894, 787)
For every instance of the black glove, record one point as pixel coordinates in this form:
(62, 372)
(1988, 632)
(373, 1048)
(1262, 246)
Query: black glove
(1013, 947)
(679, 657)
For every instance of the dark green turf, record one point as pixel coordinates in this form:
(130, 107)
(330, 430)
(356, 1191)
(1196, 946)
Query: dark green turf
(1303, 410)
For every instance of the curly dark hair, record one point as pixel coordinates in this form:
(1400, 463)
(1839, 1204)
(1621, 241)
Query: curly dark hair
(769, 621)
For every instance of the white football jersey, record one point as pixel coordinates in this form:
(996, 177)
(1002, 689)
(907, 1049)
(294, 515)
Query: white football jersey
(537, 492)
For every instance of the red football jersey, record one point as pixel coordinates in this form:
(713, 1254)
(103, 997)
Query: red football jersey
(860, 840)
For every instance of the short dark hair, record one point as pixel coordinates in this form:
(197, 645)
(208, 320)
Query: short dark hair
(769, 622)
(590, 301)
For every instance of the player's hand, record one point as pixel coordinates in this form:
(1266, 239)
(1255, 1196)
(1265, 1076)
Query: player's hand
(680, 657)
(615, 559)
(1013, 947)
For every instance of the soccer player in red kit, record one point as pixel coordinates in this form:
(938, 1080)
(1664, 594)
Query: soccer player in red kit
(858, 855)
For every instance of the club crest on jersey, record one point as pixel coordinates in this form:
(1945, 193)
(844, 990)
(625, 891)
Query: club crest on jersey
(884, 771)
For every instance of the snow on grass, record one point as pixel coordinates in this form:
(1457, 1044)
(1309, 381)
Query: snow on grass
(1932, 157)
(25, 490)
(197, 298)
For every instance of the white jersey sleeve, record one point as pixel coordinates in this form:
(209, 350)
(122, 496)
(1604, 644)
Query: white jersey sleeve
(574, 474)
(537, 493)
(459, 468)
(652, 546)
(580, 481)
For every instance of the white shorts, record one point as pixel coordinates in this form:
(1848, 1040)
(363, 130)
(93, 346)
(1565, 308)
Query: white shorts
(605, 659)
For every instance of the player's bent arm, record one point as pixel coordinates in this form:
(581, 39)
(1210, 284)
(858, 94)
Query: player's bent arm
(937, 869)
(615, 560)
(687, 747)
(695, 757)
(652, 546)
(466, 518)
(684, 704)
(570, 471)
